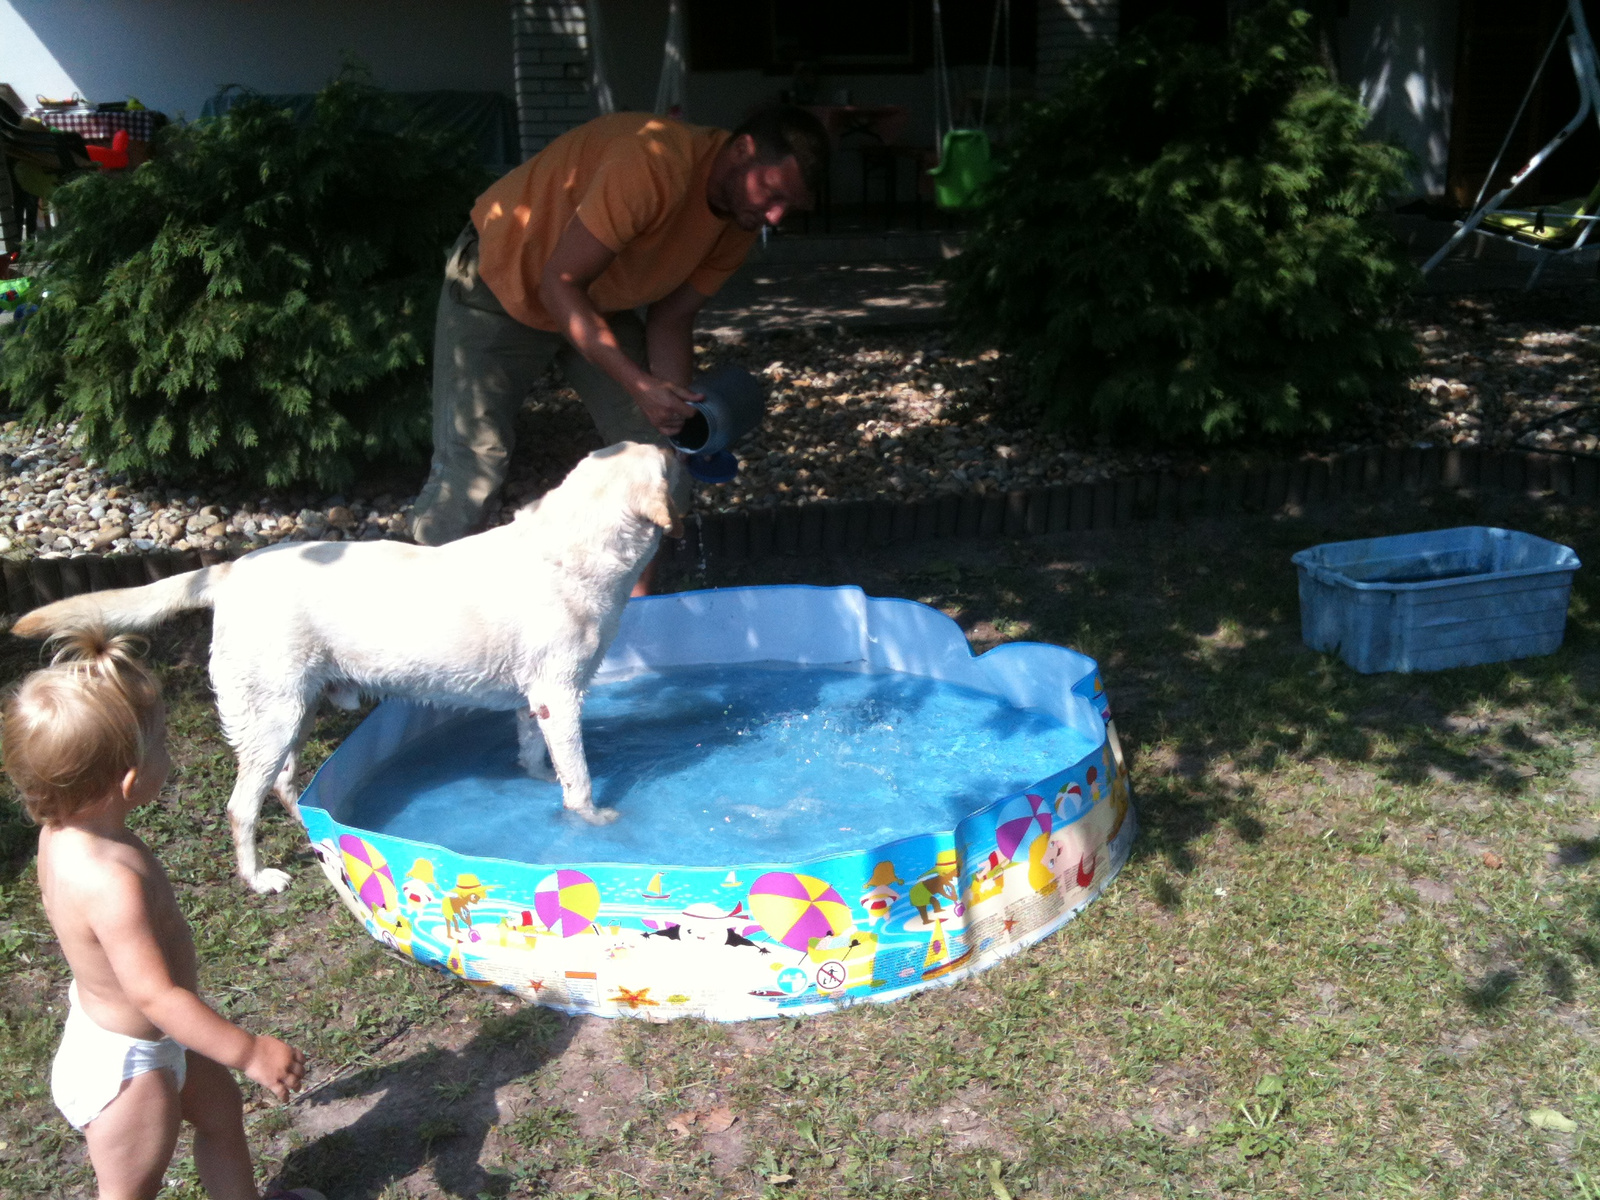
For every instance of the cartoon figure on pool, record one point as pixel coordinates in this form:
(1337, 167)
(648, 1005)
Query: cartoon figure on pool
(878, 897)
(417, 890)
(456, 904)
(936, 885)
(1079, 853)
(989, 880)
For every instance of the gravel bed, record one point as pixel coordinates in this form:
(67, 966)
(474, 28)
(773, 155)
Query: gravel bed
(854, 414)
(1507, 370)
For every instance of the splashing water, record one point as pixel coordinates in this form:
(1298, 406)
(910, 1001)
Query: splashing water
(762, 763)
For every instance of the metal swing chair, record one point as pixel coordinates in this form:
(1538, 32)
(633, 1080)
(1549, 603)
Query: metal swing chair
(1551, 230)
(964, 154)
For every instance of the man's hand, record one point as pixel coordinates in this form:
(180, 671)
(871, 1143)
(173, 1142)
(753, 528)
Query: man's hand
(665, 405)
(278, 1067)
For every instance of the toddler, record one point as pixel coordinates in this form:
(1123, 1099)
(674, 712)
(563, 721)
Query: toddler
(85, 743)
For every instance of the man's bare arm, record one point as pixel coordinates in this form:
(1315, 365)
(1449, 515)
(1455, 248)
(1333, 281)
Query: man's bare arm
(669, 334)
(579, 258)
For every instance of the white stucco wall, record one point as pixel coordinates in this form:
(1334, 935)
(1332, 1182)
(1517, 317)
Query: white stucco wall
(1400, 56)
(173, 54)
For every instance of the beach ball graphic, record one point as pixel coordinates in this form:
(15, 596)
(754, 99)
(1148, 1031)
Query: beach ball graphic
(370, 877)
(1019, 822)
(1070, 803)
(567, 902)
(796, 908)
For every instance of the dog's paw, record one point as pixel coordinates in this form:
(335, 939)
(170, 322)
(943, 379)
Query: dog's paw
(597, 816)
(269, 880)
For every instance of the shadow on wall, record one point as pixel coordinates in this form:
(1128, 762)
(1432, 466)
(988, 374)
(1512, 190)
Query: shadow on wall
(1399, 55)
(176, 54)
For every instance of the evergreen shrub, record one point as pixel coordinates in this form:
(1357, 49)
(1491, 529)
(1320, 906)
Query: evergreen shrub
(1183, 243)
(256, 302)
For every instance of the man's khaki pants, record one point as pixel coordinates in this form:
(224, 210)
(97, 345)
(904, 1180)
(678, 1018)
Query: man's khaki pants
(485, 362)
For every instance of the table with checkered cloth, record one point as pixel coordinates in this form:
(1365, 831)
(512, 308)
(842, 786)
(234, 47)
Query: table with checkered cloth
(141, 124)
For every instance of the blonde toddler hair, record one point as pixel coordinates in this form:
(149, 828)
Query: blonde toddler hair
(74, 730)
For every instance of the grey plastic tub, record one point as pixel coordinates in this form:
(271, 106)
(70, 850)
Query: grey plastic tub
(1428, 601)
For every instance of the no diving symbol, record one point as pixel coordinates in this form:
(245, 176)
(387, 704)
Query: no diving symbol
(830, 976)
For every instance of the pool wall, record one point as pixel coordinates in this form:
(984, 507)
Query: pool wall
(742, 940)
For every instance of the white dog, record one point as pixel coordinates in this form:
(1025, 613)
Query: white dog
(518, 617)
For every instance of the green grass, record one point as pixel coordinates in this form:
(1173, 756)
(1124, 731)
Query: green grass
(1356, 946)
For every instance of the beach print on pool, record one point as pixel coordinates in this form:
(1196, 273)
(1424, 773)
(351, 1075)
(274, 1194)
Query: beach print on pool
(824, 798)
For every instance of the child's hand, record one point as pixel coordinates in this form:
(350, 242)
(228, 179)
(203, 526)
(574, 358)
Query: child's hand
(278, 1067)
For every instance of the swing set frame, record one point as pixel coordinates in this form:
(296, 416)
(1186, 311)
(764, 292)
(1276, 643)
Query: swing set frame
(1581, 50)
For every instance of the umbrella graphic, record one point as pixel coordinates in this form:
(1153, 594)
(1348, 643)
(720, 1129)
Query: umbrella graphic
(797, 908)
(368, 870)
(567, 902)
(1020, 821)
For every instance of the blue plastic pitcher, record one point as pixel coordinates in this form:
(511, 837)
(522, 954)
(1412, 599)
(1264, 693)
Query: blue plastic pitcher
(732, 403)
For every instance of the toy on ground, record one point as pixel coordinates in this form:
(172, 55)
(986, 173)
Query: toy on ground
(824, 798)
(16, 303)
(116, 157)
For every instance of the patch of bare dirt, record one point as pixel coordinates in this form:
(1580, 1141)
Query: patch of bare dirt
(971, 1120)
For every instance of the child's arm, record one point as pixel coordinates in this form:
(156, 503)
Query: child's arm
(121, 921)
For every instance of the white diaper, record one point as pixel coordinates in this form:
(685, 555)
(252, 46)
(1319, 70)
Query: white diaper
(93, 1063)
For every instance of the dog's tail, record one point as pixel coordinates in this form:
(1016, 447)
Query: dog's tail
(126, 610)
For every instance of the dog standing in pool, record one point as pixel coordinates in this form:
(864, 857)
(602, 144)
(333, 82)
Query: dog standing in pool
(517, 617)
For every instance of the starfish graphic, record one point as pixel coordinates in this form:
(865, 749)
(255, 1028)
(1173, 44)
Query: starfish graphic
(638, 999)
(537, 985)
(1009, 922)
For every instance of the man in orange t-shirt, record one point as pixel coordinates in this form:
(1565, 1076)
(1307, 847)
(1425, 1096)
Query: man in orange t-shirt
(627, 211)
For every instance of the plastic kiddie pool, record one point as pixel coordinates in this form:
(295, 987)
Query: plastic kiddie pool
(823, 797)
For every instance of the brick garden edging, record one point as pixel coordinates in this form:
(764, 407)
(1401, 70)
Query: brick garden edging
(825, 527)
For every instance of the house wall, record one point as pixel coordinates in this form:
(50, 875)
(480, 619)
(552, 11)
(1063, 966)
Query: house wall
(174, 54)
(555, 37)
(1069, 27)
(1400, 57)
(551, 63)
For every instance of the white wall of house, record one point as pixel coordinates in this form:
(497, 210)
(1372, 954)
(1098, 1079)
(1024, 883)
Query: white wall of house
(1400, 56)
(174, 54)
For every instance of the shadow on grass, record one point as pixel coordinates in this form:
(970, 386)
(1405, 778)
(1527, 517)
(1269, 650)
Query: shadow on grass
(433, 1109)
(1492, 991)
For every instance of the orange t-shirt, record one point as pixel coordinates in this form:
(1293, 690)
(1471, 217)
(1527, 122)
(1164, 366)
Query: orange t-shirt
(638, 183)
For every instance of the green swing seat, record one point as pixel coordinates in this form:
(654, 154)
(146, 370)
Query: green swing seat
(1550, 226)
(964, 167)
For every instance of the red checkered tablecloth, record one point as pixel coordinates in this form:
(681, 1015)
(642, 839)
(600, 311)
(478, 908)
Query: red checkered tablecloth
(141, 124)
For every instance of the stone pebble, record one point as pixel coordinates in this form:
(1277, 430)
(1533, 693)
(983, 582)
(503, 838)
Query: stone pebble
(54, 503)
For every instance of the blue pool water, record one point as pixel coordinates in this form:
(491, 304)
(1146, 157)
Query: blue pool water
(764, 763)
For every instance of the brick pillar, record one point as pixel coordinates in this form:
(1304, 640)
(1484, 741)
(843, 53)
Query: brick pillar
(550, 48)
(1066, 29)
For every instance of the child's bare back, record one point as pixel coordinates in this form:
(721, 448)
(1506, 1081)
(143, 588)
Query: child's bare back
(94, 886)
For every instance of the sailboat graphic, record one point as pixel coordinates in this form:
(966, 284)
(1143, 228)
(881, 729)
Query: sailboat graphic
(939, 961)
(653, 890)
(732, 880)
